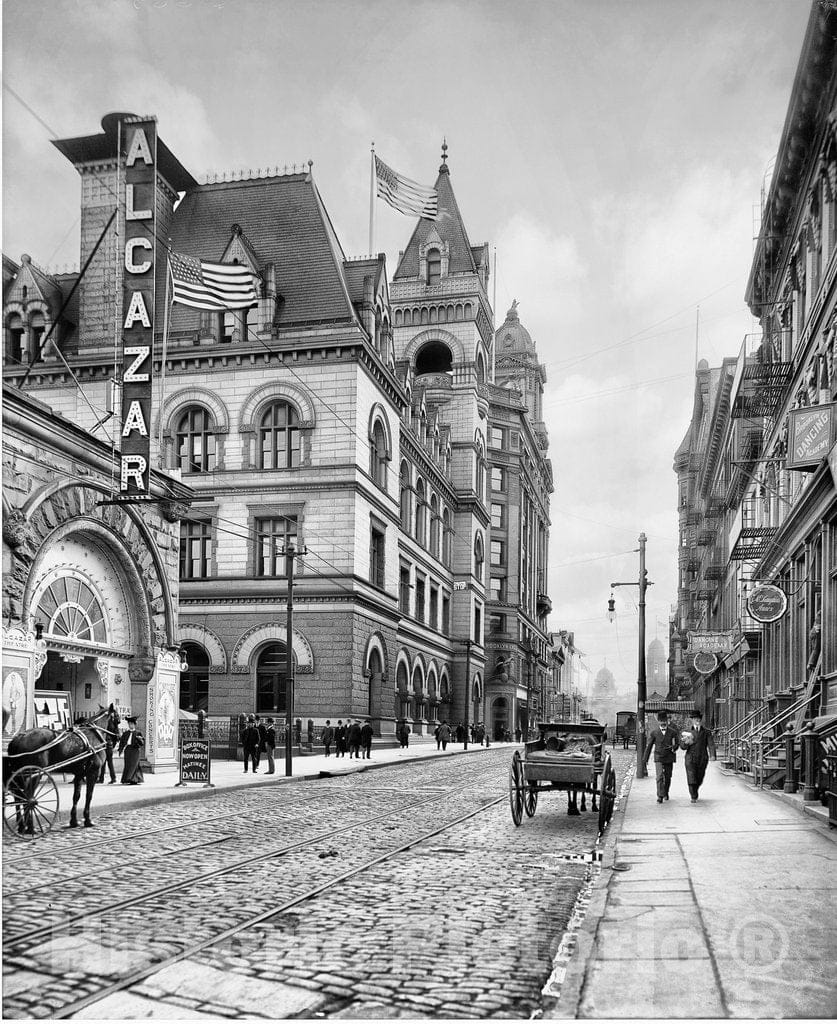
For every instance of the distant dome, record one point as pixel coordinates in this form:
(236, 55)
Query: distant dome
(656, 649)
(513, 335)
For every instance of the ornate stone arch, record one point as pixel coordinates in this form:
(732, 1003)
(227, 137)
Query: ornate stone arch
(176, 404)
(377, 643)
(253, 406)
(270, 632)
(435, 334)
(210, 642)
(444, 682)
(418, 667)
(432, 678)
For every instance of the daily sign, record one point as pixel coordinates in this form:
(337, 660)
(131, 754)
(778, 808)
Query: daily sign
(139, 146)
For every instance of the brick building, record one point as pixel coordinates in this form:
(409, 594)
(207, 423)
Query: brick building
(342, 413)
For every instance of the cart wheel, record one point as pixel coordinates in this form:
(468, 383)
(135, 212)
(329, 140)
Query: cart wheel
(30, 803)
(516, 787)
(530, 799)
(607, 795)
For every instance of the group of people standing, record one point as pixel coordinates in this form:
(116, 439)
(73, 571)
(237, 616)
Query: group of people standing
(665, 739)
(350, 737)
(258, 736)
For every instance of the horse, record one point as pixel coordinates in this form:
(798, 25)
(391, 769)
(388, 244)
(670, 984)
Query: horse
(78, 750)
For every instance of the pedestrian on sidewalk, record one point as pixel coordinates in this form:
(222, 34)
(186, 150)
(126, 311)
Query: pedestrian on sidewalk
(111, 739)
(404, 734)
(698, 744)
(436, 737)
(353, 737)
(664, 741)
(261, 729)
(340, 739)
(366, 734)
(131, 743)
(250, 744)
(270, 746)
(328, 737)
(443, 735)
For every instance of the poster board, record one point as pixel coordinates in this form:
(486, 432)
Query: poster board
(53, 709)
(195, 760)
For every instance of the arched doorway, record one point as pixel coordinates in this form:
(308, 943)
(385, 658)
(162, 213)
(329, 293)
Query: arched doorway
(402, 692)
(272, 679)
(376, 670)
(499, 717)
(194, 682)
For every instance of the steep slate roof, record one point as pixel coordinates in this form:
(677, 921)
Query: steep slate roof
(356, 270)
(286, 224)
(450, 228)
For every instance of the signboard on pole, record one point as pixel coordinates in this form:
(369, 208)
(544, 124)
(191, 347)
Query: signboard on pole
(810, 435)
(767, 603)
(712, 641)
(138, 157)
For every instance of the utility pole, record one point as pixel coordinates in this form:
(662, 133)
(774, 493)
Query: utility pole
(467, 688)
(291, 553)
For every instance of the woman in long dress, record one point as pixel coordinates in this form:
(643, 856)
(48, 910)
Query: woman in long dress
(131, 743)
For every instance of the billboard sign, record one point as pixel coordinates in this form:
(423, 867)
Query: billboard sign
(705, 662)
(767, 603)
(139, 163)
(712, 641)
(810, 436)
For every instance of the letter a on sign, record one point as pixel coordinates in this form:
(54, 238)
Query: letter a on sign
(139, 149)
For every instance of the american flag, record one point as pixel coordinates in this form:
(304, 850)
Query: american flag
(210, 285)
(405, 195)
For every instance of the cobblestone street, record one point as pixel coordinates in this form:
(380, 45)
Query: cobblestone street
(326, 899)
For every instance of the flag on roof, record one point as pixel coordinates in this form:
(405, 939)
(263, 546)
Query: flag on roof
(405, 195)
(210, 285)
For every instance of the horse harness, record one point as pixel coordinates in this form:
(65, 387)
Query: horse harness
(60, 737)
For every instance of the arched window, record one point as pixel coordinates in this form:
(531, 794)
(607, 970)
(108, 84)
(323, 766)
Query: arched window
(271, 679)
(194, 682)
(71, 610)
(446, 537)
(480, 474)
(479, 556)
(434, 357)
(421, 514)
(195, 441)
(378, 455)
(434, 526)
(37, 328)
(279, 439)
(404, 482)
(14, 339)
(434, 266)
(480, 369)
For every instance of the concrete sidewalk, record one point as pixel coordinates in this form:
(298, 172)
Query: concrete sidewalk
(724, 908)
(229, 775)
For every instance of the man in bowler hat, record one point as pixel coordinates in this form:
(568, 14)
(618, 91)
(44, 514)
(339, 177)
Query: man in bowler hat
(697, 754)
(250, 743)
(663, 741)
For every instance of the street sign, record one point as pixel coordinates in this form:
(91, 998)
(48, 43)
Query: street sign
(705, 662)
(194, 761)
(713, 641)
(460, 585)
(767, 603)
(811, 433)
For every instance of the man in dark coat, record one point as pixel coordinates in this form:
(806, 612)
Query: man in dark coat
(250, 743)
(261, 728)
(697, 754)
(664, 740)
(366, 734)
(270, 746)
(328, 737)
(404, 734)
(353, 738)
(443, 736)
(111, 739)
(340, 738)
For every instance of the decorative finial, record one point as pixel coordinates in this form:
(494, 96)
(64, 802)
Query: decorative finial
(444, 150)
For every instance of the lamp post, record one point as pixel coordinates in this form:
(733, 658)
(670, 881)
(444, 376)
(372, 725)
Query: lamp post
(291, 552)
(527, 643)
(643, 585)
(468, 643)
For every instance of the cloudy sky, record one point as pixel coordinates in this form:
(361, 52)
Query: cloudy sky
(613, 151)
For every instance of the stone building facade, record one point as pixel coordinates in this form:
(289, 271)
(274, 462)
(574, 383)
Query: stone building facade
(343, 414)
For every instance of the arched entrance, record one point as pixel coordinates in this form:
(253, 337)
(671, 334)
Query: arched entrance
(499, 717)
(402, 692)
(194, 682)
(376, 671)
(272, 679)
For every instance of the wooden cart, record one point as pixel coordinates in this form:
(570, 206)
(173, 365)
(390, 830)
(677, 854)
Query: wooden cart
(567, 756)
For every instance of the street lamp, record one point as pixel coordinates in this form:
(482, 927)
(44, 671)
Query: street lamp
(643, 585)
(468, 643)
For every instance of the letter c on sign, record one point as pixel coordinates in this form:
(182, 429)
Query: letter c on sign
(130, 245)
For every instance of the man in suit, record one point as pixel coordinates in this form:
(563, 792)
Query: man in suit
(353, 739)
(328, 737)
(366, 734)
(270, 746)
(663, 741)
(250, 744)
(697, 754)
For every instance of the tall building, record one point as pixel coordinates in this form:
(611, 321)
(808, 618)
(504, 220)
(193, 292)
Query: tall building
(344, 417)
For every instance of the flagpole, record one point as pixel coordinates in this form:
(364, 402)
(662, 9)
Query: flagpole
(494, 338)
(372, 202)
(163, 360)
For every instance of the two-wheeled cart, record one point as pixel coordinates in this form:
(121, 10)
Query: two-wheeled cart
(566, 756)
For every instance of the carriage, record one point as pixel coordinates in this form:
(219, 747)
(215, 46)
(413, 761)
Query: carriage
(566, 756)
(30, 795)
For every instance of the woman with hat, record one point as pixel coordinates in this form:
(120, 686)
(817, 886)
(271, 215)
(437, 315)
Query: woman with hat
(131, 743)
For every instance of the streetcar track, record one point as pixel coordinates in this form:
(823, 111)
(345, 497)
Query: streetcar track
(127, 982)
(26, 939)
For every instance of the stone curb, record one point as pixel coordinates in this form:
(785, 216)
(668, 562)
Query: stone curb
(199, 792)
(565, 1007)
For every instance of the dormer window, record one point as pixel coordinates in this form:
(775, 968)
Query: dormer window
(14, 339)
(37, 327)
(434, 266)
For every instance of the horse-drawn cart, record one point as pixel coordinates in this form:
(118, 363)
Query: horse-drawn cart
(30, 795)
(567, 756)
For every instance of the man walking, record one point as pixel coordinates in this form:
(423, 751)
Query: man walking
(328, 736)
(340, 739)
(697, 754)
(366, 734)
(270, 747)
(354, 740)
(443, 735)
(663, 741)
